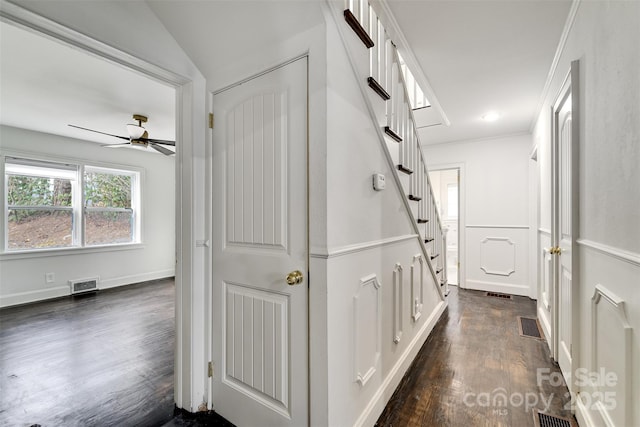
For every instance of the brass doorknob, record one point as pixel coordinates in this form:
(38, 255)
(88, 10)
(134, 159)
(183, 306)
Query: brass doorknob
(294, 278)
(556, 250)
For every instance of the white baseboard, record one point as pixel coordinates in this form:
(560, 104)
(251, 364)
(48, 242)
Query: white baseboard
(61, 291)
(513, 289)
(33, 296)
(582, 415)
(545, 323)
(377, 404)
(135, 278)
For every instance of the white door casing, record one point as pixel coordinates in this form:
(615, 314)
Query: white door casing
(565, 222)
(260, 323)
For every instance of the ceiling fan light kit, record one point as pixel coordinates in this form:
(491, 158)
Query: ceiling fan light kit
(138, 136)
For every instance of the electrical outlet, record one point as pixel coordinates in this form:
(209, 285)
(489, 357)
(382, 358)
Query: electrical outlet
(50, 277)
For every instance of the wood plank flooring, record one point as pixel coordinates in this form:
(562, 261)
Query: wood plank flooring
(98, 360)
(107, 360)
(476, 370)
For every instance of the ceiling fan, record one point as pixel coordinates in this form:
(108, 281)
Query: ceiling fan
(138, 136)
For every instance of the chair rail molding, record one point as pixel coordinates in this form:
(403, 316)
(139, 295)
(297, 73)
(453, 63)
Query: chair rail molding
(620, 254)
(359, 247)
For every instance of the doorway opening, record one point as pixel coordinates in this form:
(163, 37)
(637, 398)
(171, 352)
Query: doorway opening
(168, 228)
(446, 189)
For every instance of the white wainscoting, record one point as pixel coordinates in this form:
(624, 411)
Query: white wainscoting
(610, 331)
(609, 345)
(367, 322)
(398, 302)
(497, 258)
(371, 307)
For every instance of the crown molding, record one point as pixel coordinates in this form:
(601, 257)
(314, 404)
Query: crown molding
(568, 25)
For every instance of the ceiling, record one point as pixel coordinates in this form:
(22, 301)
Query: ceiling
(46, 85)
(477, 55)
(482, 56)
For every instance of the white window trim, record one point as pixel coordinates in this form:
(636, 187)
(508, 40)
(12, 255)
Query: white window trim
(137, 202)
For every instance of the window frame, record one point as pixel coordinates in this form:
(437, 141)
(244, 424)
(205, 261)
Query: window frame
(135, 208)
(77, 207)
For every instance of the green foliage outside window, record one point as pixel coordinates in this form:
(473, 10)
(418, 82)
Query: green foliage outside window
(36, 192)
(107, 191)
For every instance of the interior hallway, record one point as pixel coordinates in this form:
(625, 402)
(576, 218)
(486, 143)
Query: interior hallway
(475, 356)
(107, 359)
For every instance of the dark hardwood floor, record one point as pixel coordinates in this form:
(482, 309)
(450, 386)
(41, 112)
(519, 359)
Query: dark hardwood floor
(476, 370)
(106, 359)
(103, 359)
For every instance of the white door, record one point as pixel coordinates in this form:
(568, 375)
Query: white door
(446, 183)
(259, 321)
(564, 230)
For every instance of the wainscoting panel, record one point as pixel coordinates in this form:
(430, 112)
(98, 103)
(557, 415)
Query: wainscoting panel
(367, 310)
(611, 357)
(417, 286)
(498, 256)
(497, 259)
(397, 303)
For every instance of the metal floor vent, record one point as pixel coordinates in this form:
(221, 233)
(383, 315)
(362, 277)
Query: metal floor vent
(499, 295)
(545, 420)
(82, 286)
(529, 328)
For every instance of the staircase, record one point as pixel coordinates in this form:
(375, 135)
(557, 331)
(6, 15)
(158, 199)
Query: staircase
(386, 79)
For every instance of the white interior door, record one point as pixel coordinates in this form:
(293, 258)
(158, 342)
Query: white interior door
(565, 226)
(260, 323)
(446, 183)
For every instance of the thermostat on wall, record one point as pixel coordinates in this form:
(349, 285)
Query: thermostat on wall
(378, 182)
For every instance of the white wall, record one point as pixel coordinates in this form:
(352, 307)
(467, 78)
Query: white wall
(494, 194)
(22, 276)
(605, 38)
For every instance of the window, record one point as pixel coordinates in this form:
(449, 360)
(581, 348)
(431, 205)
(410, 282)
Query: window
(108, 209)
(56, 205)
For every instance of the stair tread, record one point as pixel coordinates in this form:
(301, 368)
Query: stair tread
(377, 88)
(428, 240)
(392, 134)
(405, 169)
(414, 198)
(434, 256)
(422, 221)
(358, 29)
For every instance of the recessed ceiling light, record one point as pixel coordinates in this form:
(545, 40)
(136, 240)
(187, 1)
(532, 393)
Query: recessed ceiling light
(491, 116)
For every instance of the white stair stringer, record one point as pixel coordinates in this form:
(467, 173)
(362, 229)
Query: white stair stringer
(390, 148)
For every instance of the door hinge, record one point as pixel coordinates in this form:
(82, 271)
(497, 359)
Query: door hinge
(210, 369)
(211, 120)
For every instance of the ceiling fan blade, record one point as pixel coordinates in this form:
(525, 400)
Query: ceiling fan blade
(97, 131)
(115, 145)
(161, 149)
(159, 141)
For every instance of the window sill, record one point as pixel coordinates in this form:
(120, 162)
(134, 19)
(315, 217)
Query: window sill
(43, 253)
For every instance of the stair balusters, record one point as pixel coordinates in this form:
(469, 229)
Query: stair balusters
(386, 79)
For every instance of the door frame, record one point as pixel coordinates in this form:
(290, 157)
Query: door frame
(569, 87)
(209, 214)
(185, 360)
(461, 216)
